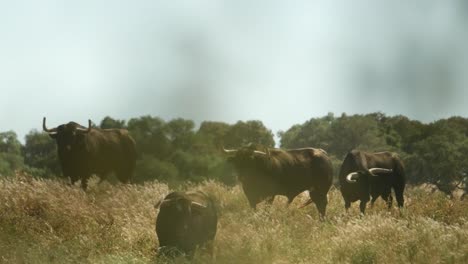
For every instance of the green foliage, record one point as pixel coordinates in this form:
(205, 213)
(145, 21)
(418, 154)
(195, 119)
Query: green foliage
(109, 122)
(176, 151)
(243, 133)
(10, 153)
(150, 168)
(40, 153)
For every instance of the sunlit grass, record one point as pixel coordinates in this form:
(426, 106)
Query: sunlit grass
(47, 221)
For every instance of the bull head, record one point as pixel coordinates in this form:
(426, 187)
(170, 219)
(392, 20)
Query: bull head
(233, 151)
(373, 172)
(166, 202)
(68, 136)
(54, 130)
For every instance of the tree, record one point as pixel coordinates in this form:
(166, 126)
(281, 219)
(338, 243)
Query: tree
(109, 122)
(150, 136)
(10, 153)
(40, 152)
(243, 133)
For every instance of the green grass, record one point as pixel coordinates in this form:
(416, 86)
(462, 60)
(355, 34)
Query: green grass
(47, 221)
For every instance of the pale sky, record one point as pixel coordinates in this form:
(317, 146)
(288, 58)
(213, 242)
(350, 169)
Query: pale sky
(281, 62)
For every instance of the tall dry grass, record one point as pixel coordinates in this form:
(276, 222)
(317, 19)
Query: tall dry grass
(47, 221)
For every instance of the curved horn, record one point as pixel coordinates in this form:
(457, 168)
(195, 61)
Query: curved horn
(259, 152)
(198, 205)
(349, 177)
(229, 150)
(373, 171)
(85, 130)
(44, 127)
(163, 203)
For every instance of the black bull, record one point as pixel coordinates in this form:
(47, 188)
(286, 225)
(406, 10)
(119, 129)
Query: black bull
(186, 220)
(85, 151)
(271, 172)
(364, 174)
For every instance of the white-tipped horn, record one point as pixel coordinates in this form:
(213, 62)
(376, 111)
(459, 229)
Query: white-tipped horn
(87, 129)
(44, 127)
(229, 150)
(199, 205)
(373, 171)
(165, 202)
(259, 152)
(349, 177)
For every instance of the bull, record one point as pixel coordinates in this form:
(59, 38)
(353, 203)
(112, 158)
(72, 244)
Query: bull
(186, 221)
(84, 151)
(265, 173)
(364, 175)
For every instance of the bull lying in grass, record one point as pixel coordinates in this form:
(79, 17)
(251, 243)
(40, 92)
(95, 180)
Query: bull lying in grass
(186, 221)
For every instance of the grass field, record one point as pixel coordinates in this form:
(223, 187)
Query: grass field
(47, 221)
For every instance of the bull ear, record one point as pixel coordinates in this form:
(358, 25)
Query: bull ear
(53, 135)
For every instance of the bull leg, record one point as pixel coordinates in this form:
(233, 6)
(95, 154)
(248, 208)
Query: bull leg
(84, 182)
(269, 200)
(389, 201)
(290, 199)
(362, 206)
(374, 198)
(321, 202)
(399, 197)
(347, 205)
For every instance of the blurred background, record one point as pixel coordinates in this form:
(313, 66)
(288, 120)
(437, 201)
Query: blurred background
(275, 61)
(185, 77)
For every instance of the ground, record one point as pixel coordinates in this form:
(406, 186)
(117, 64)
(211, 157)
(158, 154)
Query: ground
(47, 221)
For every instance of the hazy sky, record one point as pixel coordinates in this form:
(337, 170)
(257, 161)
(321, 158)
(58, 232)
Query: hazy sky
(282, 62)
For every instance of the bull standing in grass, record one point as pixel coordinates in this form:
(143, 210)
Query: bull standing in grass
(364, 175)
(84, 151)
(186, 221)
(266, 172)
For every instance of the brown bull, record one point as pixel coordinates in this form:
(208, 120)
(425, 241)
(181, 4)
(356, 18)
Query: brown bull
(364, 175)
(84, 151)
(186, 220)
(266, 172)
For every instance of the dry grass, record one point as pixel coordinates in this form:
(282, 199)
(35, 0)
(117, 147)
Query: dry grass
(47, 221)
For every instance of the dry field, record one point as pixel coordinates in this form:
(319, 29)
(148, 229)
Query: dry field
(47, 221)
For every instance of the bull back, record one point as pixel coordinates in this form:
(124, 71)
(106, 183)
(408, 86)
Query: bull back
(186, 220)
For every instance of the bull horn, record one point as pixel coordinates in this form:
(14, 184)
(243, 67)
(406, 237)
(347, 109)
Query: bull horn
(259, 152)
(44, 127)
(198, 205)
(349, 177)
(85, 130)
(373, 171)
(229, 150)
(162, 202)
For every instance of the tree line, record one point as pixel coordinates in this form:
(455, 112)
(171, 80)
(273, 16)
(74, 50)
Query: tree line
(176, 151)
